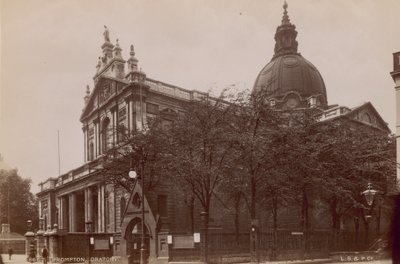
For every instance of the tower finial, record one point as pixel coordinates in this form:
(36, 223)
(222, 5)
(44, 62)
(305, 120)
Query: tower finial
(132, 61)
(106, 34)
(86, 98)
(117, 51)
(285, 18)
(132, 53)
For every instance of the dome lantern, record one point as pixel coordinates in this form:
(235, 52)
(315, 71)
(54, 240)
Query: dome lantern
(285, 36)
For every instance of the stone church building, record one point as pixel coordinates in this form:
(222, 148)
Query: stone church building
(80, 210)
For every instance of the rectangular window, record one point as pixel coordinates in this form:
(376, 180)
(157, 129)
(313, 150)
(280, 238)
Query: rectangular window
(162, 205)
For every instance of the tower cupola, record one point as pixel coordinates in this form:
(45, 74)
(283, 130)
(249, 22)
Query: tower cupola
(285, 36)
(117, 51)
(107, 46)
(132, 61)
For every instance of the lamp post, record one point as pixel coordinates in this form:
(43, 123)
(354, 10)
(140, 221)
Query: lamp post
(204, 218)
(369, 195)
(140, 78)
(133, 175)
(88, 231)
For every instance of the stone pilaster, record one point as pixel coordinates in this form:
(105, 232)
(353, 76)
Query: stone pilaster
(100, 207)
(396, 78)
(72, 212)
(88, 205)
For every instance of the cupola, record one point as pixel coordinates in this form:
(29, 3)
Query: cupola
(289, 81)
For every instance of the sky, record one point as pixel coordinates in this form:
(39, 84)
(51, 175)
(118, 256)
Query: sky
(49, 50)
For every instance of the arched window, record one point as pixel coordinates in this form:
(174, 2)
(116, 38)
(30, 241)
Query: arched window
(122, 205)
(366, 118)
(136, 200)
(105, 135)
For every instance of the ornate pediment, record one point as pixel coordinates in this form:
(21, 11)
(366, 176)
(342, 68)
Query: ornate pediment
(367, 114)
(105, 89)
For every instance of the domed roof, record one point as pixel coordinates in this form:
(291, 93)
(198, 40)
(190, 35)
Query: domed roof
(288, 74)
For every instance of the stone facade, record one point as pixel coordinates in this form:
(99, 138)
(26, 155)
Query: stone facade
(81, 210)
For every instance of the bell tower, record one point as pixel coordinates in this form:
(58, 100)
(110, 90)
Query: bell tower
(396, 78)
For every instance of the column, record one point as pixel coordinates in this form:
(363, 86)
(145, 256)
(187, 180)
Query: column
(88, 205)
(100, 207)
(115, 127)
(49, 213)
(138, 121)
(64, 213)
(60, 212)
(98, 144)
(129, 114)
(96, 139)
(72, 212)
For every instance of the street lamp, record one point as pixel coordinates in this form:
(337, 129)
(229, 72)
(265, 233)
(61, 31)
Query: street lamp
(88, 231)
(133, 175)
(369, 194)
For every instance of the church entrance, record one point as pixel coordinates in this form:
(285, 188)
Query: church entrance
(134, 241)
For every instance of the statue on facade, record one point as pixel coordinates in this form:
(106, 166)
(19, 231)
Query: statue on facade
(106, 34)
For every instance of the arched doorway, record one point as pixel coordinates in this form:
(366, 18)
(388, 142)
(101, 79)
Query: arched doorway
(133, 236)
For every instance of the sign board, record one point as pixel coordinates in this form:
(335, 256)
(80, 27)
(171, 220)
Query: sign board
(196, 237)
(182, 241)
(169, 240)
(101, 244)
(297, 233)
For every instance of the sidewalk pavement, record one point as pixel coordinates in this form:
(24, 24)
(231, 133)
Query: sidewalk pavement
(17, 259)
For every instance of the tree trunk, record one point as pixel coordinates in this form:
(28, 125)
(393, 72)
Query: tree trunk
(357, 229)
(236, 217)
(335, 222)
(275, 227)
(253, 197)
(206, 223)
(191, 213)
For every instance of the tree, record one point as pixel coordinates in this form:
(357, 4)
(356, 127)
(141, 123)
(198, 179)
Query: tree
(17, 203)
(348, 155)
(199, 151)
